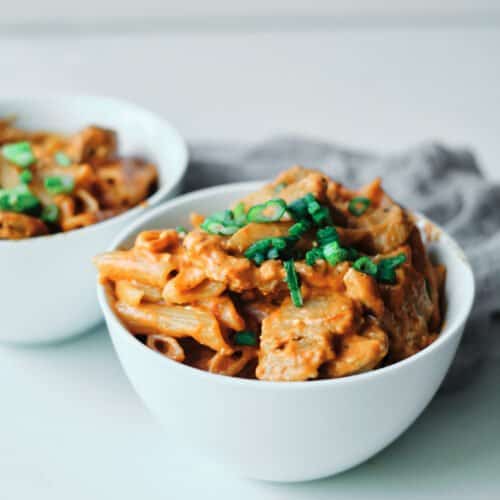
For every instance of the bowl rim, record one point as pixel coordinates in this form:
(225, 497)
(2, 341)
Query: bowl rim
(451, 327)
(152, 200)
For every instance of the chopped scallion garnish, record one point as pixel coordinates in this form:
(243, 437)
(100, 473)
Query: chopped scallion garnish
(214, 227)
(239, 214)
(386, 272)
(270, 211)
(50, 214)
(18, 199)
(62, 159)
(181, 229)
(299, 228)
(245, 337)
(292, 281)
(359, 205)
(19, 153)
(366, 265)
(334, 253)
(313, 255)
(59, 184)
(26, 176)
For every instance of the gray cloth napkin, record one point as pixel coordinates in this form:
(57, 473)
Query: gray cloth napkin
(444, 184)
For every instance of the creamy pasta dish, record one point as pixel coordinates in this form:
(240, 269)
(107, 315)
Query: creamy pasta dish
(303, 279)
(51, 183)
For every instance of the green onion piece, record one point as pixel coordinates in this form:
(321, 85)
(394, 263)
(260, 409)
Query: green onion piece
(292, 280)
(334, 253)
(212, 226)
(366, 265)
(280, 187)
(279, 243)
(239, 214)
(299, 228)
(4, 199)
(50, 214)
(273, 254)
(298, 209)
(313, 255)
(62, 159)
(18, 199)
(386, 268)
(322, 216)
(225, 216)
(271, 211)
(352, 254)
(359, 205)
(258, 247)
(386, 275)
(258, 258)
(181, 229)
(395, 261)
(245, 338)
(59, 184)
(19, 153)
(26, 176)
(327, 235)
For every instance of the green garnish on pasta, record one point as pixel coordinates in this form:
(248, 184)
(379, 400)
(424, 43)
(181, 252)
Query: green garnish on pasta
(270, 211)
(62, 159)
(359, 205)
(293, 283)
(245, 337)
(19, 153)
(59, 184)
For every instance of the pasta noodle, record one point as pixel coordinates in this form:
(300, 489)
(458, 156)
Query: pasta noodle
(51, 183)
(302, 280)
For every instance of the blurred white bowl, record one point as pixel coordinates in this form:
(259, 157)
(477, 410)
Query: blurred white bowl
(286, 431)
(48, 282)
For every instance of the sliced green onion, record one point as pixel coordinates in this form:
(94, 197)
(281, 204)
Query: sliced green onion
(26, 176)
(327, 235)
(386, 268)
(212, 226)
(299, 228)
(245, 337)
(4, 199)
(334, 253)
(313, 255)
(59, 184)
(273, 254)
(18, 199)
(359, 205)
(292, 281)
(258, 258)
(181, 229)
(298, 209)
(366, 265)
(63, 159)
(225, 216)
(322, 217)
(19, 153)
(279, 243)
(50, 214)
(239, 214)
(270, 211)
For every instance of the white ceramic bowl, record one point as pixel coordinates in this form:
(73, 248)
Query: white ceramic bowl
(48, 285)
(287, 431)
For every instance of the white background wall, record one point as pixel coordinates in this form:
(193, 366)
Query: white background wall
(116, 10)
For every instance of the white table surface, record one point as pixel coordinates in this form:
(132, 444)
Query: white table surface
(71, 426)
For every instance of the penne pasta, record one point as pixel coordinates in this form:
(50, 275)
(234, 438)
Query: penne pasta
(304, 279)
(174, 321)
(167, 346)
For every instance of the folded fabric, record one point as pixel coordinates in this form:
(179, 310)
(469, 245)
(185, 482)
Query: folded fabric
(444, 184)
